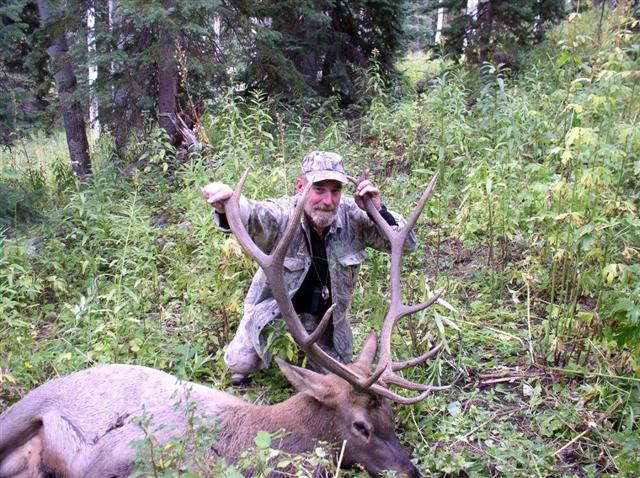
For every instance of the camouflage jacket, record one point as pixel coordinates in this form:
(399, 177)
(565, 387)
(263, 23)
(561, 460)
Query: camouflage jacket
(349, 235)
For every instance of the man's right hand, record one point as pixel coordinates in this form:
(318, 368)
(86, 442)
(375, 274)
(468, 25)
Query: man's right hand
(217, 195)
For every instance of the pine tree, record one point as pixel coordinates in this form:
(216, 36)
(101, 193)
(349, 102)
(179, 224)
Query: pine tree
(155, 59)
(495, 25)
(66, 84)
(24, 79)
(166, 61)
(320, 46)
(158, 60)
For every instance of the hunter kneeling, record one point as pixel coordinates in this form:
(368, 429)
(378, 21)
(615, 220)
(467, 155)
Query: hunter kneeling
(321, 263)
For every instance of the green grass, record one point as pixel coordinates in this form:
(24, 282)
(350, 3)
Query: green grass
(418, 65)
(533, 229)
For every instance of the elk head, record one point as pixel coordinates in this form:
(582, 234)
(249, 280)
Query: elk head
(361, 420)
(354, 393)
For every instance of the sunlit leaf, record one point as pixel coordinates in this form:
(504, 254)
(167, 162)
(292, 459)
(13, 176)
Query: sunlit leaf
(579, 135)
(263, 439)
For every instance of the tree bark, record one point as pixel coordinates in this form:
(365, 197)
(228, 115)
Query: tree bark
(66, 83)
(440, 24)
(122, 105)
(167, 83)
(485, 30)
(92, 75)
(470, 36)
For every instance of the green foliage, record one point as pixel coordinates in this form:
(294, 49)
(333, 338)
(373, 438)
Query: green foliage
(294, 48)
(321, 46)
(496, 26)
(533, 229)
(420, 26)
(131, 48)
(17, 205)
(24, 96)
(33, 175)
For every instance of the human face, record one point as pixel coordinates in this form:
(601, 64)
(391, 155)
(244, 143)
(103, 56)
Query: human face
(322, 203)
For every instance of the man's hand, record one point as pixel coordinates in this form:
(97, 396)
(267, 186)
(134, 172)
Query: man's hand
(217, 195)
(366, 188)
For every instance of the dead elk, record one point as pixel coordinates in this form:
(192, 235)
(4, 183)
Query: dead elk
(81, 425)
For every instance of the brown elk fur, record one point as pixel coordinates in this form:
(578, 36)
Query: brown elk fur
(80, 425)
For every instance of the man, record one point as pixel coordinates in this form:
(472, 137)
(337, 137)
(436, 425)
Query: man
(322, 262)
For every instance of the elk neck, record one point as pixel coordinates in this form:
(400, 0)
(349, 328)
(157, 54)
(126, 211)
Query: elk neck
(305, 420)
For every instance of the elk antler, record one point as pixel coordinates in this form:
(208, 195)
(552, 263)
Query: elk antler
(386, 367)
(273, 267)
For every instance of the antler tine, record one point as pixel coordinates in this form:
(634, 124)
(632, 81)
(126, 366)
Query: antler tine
(386, 393)
(426, 390)
(232, 210)
(317, 333)
(273, 265)
(233, 215)
(412, 309)
(373, 212)
(409, 385)
(280, 250)
(416, 360)
(420, 206)
(374, 377)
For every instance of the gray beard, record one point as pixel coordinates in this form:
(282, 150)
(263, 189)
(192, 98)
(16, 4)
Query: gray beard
(322, 219)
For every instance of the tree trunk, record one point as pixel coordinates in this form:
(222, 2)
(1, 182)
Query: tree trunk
(440, 24)
(217, 26)
(167, 84)
(92, 75)
(71, 110)
(470, 36)
(122, 106)
(485, 30)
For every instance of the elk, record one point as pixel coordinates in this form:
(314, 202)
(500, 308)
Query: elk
(80, 425)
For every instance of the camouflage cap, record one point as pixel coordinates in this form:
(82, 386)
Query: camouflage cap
(322, 166)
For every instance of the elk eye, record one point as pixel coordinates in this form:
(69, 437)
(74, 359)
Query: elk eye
(361, 429)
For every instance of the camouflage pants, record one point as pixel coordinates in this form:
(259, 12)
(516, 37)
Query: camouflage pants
(242, 358)
(310, 322)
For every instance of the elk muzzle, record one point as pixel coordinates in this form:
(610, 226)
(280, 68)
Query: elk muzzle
(383, 455)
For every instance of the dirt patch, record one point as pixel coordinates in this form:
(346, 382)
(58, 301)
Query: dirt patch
(451, 257)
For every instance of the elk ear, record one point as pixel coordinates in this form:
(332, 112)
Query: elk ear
(306, 381)
(369, 349)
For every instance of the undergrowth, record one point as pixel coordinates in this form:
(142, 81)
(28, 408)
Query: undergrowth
(533, 229)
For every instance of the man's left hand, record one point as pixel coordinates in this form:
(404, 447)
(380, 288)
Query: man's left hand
(366, 188)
